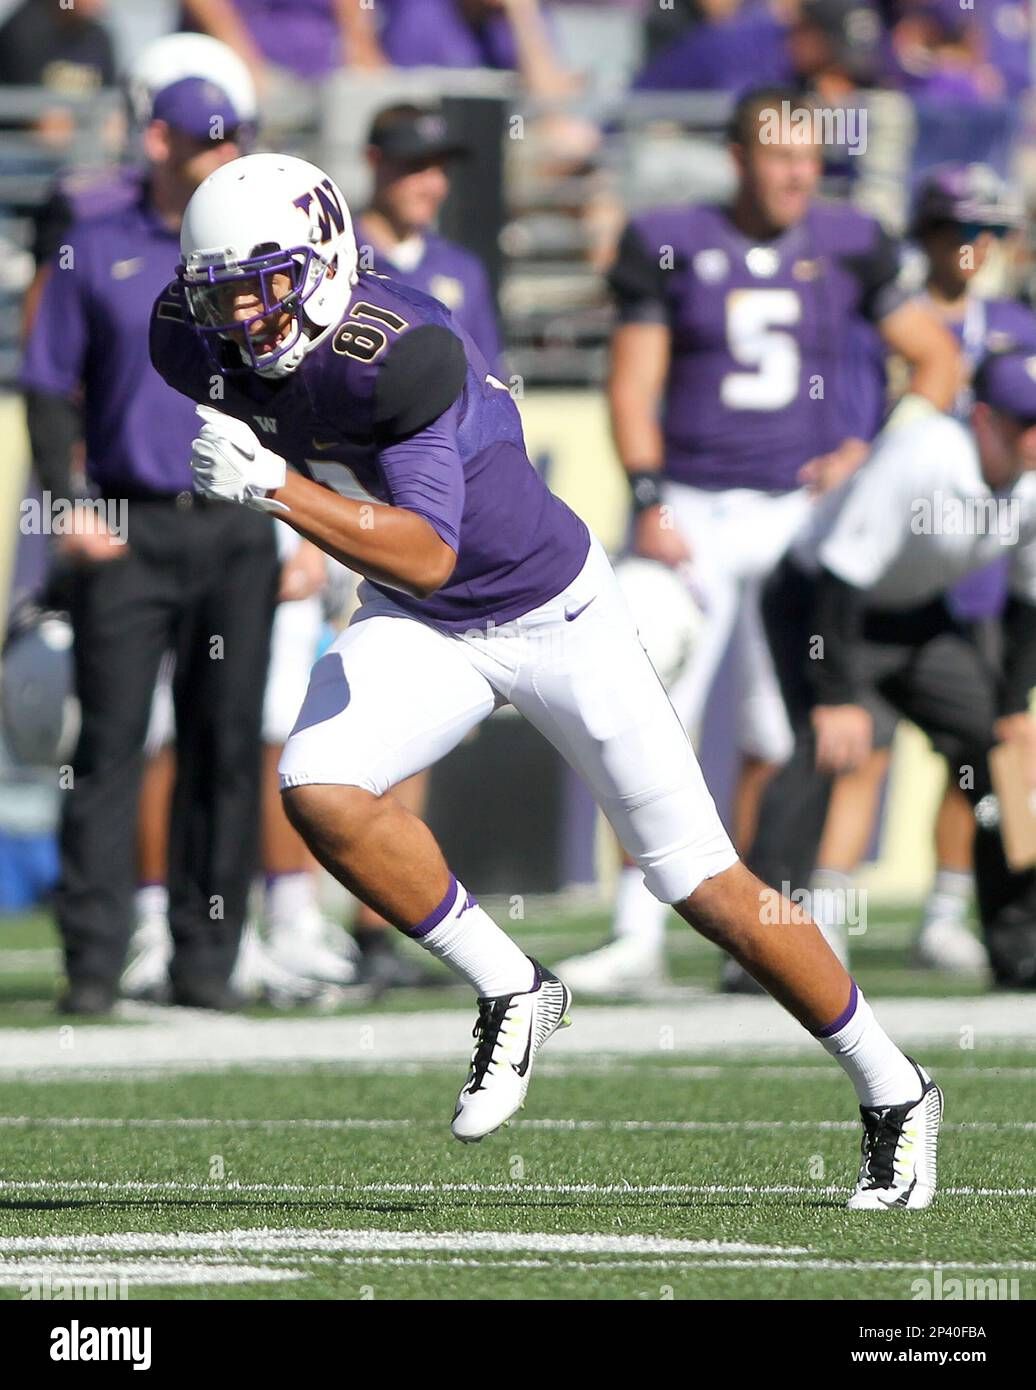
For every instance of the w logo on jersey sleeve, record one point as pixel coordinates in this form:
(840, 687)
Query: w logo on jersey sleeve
(330, 208)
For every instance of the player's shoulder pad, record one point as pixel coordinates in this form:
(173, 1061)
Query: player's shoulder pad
(873, 257)
(419, 379)
(170, 333)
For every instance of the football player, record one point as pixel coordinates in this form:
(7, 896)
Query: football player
(362, 414)
(867, 586)
(410, 153)
(960, 210)
(741, 385)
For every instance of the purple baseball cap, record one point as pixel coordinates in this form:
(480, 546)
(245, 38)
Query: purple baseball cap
(1007, 382)
(199, 108)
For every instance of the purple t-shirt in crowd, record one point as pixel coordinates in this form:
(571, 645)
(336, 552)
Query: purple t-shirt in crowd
(729, 55)
(90, 332)
(765, 370)
(452, 275)
(301, 35)
(992, 325)
(398, 404)
(1005, 26)
(436, 34)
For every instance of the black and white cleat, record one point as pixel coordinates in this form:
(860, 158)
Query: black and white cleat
(508, 1033)
(898, 1165)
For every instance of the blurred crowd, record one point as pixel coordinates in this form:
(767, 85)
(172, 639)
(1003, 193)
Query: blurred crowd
(941, 51)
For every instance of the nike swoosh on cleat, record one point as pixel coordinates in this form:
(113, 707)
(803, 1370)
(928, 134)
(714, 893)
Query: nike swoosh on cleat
(573, 614)
(901, 1200)
(524, 1067)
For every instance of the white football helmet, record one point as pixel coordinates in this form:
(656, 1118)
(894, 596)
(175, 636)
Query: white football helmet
(178, 56)
(256, 217)
(39, 711)
(667, 615)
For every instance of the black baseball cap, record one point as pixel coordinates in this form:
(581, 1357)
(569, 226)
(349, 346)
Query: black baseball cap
(414, 133)
(969, 195)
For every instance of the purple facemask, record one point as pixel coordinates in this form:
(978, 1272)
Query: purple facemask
(209, 293)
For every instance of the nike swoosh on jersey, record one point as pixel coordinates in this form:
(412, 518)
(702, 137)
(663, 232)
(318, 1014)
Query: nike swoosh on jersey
(571, 614)
(122, 270)
(326, 444)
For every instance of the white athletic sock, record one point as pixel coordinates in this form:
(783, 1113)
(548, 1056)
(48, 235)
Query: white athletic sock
(639, 916)
(467, 939)
(151, 900)
(949, 899)
(290, 903)
(881, 1074)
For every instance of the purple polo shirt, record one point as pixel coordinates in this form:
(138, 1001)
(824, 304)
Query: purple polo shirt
(91, 333)
(302, 35)
(435, 33)
(455, 277)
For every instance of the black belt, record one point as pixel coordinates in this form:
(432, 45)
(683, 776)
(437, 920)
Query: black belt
(909, 626)
(185, 500)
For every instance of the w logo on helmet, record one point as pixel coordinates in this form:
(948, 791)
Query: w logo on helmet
(330, 208)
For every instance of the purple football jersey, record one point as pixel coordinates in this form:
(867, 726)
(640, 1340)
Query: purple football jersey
(765, 369)
(452, 275)
(88, 334)
(350, 417)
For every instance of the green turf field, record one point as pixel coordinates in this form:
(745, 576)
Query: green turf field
(666, 1175)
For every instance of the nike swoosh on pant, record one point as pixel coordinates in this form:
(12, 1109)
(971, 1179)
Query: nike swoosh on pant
(571, 616)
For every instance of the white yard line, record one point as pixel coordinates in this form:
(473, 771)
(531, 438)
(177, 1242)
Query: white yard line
(290, 1239)
(561, 1125)
(735, 1027)
(174, 1187)
(141, 1273)
(14, 962)
(600, 1066)
(1013, 1267)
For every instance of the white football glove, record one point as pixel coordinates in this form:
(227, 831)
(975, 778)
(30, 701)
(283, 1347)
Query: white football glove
(230, 463)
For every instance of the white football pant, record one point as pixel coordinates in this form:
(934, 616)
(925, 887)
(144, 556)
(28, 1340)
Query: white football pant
(394, 694)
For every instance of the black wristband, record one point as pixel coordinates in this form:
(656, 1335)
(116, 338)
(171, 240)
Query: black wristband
(645, 489)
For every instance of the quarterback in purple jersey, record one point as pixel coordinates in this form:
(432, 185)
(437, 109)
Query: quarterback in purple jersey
(735, 395)
(482, 590)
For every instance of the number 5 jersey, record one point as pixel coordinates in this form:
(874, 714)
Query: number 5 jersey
(774, 356)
